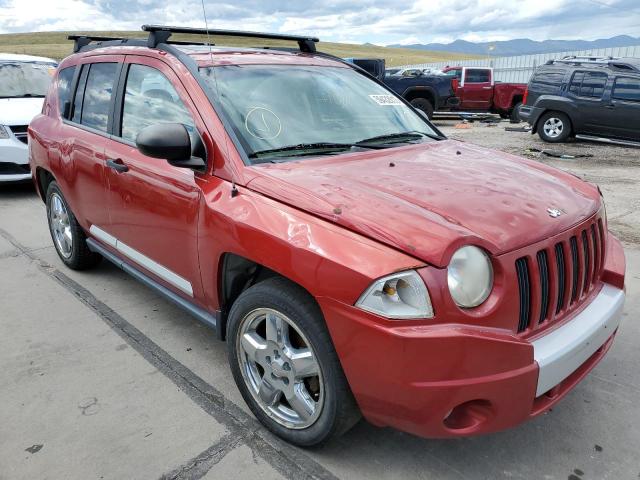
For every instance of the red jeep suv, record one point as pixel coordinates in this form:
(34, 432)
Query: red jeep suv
(355, 260)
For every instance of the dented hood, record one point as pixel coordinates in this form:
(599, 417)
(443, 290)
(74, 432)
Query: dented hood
(431, 198)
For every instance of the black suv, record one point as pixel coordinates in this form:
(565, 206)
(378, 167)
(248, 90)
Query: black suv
(585, 97)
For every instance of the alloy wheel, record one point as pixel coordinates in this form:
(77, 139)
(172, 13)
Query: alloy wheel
(553, 127)
(280, 368)
(60, 226)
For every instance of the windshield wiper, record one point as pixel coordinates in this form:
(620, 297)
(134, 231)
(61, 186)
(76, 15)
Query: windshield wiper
(401, 137)
(307, 149)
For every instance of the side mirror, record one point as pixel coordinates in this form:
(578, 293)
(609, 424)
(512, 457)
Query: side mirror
(168, 141)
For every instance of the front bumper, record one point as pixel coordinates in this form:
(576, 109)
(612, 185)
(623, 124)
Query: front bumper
(457, 380)
(14, 160)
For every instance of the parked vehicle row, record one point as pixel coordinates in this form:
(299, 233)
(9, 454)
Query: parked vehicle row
(24, 81)
(355, 260)
(586, 97)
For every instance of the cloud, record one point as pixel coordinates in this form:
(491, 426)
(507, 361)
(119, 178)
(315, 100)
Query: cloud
(375, 21)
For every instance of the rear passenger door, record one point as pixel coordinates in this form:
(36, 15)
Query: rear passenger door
(624, 108)
(85, 134)
(153, 205)
(586, 89)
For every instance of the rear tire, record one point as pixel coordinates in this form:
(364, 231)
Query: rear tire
(554, 127)
(515, 113)
(67, 235)
(270, 325)
(424, 105)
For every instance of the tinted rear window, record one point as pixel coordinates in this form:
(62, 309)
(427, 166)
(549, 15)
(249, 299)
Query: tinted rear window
(627, 88)
(546, 82)
(588, 84)
(97, 95)
(65, 78)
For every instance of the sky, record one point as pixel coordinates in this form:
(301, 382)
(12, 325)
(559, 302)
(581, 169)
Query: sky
(381, 22)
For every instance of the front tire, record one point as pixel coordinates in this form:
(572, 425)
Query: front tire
(424, 105)
(285, 366)
(554, 127)
(67, 235)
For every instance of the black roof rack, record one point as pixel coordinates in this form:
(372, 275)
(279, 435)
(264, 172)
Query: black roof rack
(81, 41)
(606, 61)
(161, 33)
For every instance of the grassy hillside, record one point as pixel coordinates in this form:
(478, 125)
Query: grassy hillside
(55, 45)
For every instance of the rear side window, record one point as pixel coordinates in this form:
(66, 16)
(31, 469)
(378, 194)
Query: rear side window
(477, 76)
(65, 78)
(150, 98)
(588, 84)
(546, 82)
(98, 90)
(627, 88)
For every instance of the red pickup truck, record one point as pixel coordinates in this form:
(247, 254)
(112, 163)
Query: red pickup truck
(478, 91)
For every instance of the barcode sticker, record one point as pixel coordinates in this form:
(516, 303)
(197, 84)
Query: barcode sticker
(385, 99)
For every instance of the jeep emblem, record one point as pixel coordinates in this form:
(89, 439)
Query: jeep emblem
(554, 212)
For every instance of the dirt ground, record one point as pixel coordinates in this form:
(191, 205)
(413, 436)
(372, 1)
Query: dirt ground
(615, 169)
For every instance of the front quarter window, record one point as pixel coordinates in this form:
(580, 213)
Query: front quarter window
(278, 106)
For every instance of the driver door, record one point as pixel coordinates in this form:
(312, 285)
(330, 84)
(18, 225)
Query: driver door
(153, 206)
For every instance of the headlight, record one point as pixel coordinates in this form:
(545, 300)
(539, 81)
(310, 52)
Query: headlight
(470, 276)
(4, 133)
(399, 296)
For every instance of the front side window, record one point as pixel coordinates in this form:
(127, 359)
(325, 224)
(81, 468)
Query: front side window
(477, 76)
(627, 88)
(275, 107)
(98, 91)
(588, 84)
(25, 79)
(65, 78)
(149, 99)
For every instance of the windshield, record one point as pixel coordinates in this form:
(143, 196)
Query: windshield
(25, 79)
(276, 109)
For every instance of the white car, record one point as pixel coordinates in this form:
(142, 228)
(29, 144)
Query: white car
(24, 81)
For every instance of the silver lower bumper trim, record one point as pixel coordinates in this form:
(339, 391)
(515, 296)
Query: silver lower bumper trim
(562, 351)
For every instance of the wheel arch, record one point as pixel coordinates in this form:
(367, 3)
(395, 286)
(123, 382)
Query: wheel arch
(421, 92)
(43, 178)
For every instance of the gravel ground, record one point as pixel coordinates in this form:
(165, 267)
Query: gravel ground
(615, 169)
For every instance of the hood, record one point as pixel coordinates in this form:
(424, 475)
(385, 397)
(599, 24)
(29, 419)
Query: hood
(429, 199)
(19, 111)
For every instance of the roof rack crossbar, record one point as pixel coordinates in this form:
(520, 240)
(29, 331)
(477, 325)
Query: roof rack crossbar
(161, 33)
(84, 40)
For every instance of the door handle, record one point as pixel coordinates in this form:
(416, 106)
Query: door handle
(487, 88)
(117, 164)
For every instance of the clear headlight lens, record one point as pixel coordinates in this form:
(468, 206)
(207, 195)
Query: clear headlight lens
(470, 276)
(4, 132)
(401, 295)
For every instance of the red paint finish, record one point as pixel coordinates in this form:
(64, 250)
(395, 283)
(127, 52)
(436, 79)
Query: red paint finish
(334, 225)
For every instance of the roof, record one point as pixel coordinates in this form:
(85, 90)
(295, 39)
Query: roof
(219, 56)
(13, 57)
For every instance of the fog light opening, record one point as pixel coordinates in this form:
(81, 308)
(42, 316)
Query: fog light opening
(468, 415)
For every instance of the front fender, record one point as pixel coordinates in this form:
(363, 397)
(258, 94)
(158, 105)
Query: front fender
(324, 258)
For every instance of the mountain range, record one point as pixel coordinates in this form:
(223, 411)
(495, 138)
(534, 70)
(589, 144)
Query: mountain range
(524, 46)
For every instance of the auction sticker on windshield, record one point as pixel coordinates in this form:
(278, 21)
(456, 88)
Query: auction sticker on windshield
(385, 99)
